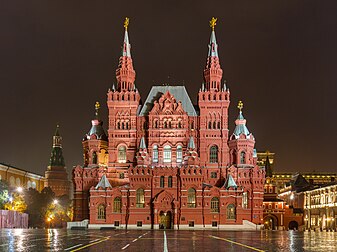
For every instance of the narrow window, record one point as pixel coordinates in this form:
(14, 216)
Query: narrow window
(213, 154)
(209, 125)
(179, 154)
(155, 154)
(214, 125)
(242, 157)
(94, 158)
(122, 154)
(162, 181)
(167, 154)
(169, 181)
(231, 212)
(140, 199)
(191, 199)
(215, 205)
(101, 212)
(117, 205)
(245, 200)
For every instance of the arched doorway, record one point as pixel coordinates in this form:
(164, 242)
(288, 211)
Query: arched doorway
(270, 222)
(293, 225)
(165, 220)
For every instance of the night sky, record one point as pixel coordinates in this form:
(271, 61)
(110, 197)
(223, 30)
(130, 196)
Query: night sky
(57, 58)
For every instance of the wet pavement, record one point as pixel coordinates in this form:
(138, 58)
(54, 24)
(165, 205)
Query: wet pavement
(169, 240)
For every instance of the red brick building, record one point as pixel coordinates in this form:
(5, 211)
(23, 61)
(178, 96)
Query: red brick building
(167, 163)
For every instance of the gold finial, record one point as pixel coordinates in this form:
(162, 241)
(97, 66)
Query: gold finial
(126, 23)
(97, 105)
(240, 105)
(212, 23)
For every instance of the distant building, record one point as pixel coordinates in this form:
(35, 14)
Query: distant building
(320, 207)
(282, 179)
(169, 163)
(17, 177)
(56, 174)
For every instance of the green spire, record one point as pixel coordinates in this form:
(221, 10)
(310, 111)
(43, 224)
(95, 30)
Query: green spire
(56, 157)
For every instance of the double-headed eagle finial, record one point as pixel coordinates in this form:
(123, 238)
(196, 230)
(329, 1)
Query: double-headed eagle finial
(240, 105)
(126, 23)
(212, 23)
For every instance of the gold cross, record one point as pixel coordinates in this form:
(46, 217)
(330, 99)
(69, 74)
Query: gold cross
(240, 105)
(212, 23)
(126, 23)
(97, 105)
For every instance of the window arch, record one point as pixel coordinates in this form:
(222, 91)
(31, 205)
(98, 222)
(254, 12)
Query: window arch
(169, 184)
(191, 198)
(231, 214)
(242, 157)
(101, 212)
(213, 154)
(140, 199)
(167, 154)
(155, 154)
(215, 205)
(162, 181)
(94, 157)
(117, 205)
(121, 154)
(179, 154)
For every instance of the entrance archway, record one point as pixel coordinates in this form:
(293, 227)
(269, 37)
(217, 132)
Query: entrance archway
(293, 225)
(165, 220)
(270, 222)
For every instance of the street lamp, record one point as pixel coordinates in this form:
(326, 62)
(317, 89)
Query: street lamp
(19, 189)
(55, 201)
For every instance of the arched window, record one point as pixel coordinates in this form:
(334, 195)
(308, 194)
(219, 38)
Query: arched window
(167, 154)
(156, 124)
(213, 154)
(117, 205)
(118, 125)
(18, 182)
(127, 125)
(140, 198)
(155, 154)
(242, 157)
(215, 205)
(219, 125)
(170, 124)
(214, 125)
(122, 154)
(231, 212)
(162, 181)
(179, 154)
(33, 185)
(191, 199)
(169, 184)
(101, 212)
(179, 124)
(209, 125)
(165, 124)
(94, 157)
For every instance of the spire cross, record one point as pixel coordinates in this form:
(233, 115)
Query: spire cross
(126, 23)
(212, 23)
(240, 105)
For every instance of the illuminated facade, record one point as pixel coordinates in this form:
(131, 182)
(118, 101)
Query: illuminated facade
(16, 177)
(320, 208)
(169, 163)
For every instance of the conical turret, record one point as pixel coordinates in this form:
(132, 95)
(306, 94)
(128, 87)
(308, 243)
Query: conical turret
(125, 73)
(213, 71)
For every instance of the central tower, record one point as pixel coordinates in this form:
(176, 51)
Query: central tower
(123, 102)
(213, 101)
